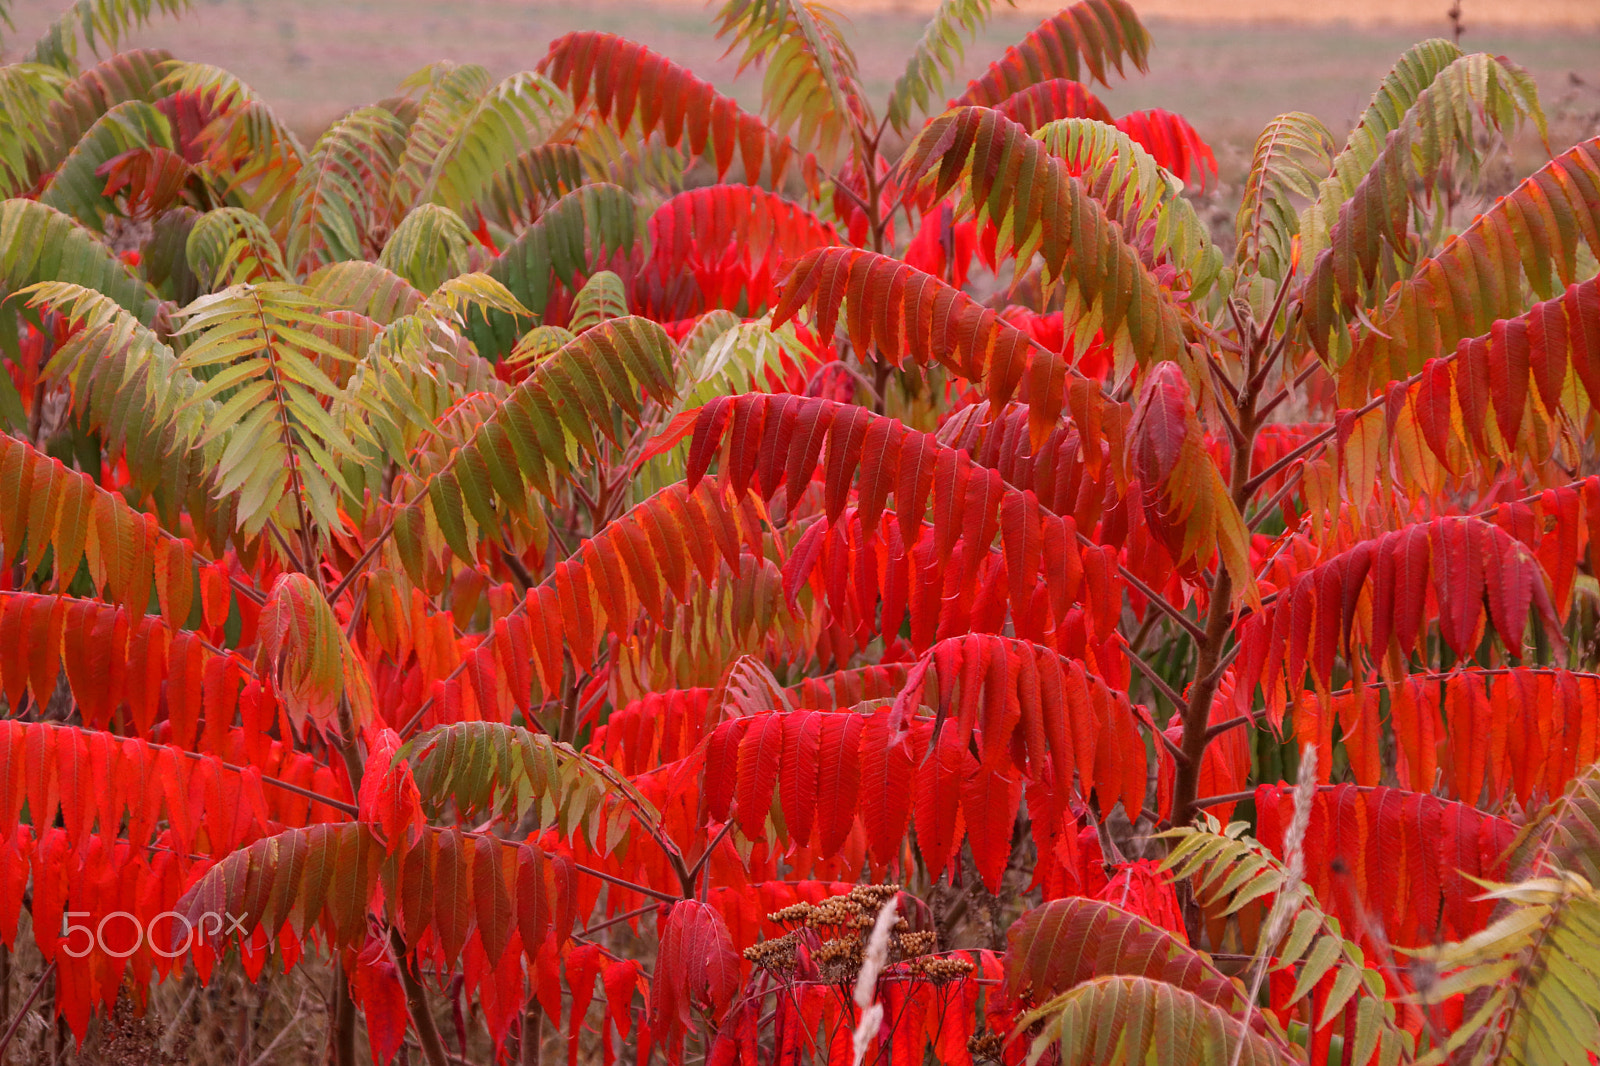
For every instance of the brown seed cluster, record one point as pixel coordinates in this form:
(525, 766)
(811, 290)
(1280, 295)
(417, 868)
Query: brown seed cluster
(777, 955)
(795, 912)
(856, 909)
(841, 926)
(873, 896)
(940, 970)
(987, 1045)
(840, 959)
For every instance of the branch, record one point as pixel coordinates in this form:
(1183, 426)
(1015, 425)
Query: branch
(355, 615)
(1240, 797)
(1266, 509)
(1252, 486)
(1229, 797)
(694, 871)
(1222, 378)
(283, 543)
(643, 814)
(1248, 718)
(361, 563)
(1158, 600)
(588, 501)
(1283, 393)
(283, 1034)
(1259, 378)
(245, 590)
(631, 886)
(1177, 753)
(1223, 663)
(518, 570)
(1235, 434)
(22, 1012)
(613, 956)
(1247, 336)
(339, 805)
(1277, 352)
(1373, 404)
(417, 1003)
(1150, 675)
(637, 912)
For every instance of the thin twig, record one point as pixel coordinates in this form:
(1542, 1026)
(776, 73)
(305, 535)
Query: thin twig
(361, 563)
(1259, 378)
(260, 1060)
(355, 615)
(317, 797)
(1222, 379)
(637, 912)
(1285, 392)
(643, 814)
(1240, 797)
(1310, 444)
(643, 890)
(1247, 336)
(518, 570)
(1249, 717)
(613, 956)
(694, 871)
(1151, 676)
(1166, 690)
(289, 553)
(1155, 598)
(22, 1012)
(244, 590)
(1288, 486)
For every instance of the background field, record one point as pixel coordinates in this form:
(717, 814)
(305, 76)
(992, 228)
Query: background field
(1228, 65)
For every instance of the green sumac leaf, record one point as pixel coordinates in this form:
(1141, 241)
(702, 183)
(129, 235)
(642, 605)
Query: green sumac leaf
(597, 380)
(487, 768)
(1006, 177)
(39, 243)
(577, 236)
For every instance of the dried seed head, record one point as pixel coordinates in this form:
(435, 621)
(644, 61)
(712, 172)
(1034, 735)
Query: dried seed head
(940, 970)
(874, 896)
(986, 1045)
(913, 944)
(844, 947)
(840, 959)
(778, 955)
(795, 912)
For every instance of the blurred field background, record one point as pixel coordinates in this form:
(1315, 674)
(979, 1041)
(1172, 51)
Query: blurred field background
(1227, 65)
